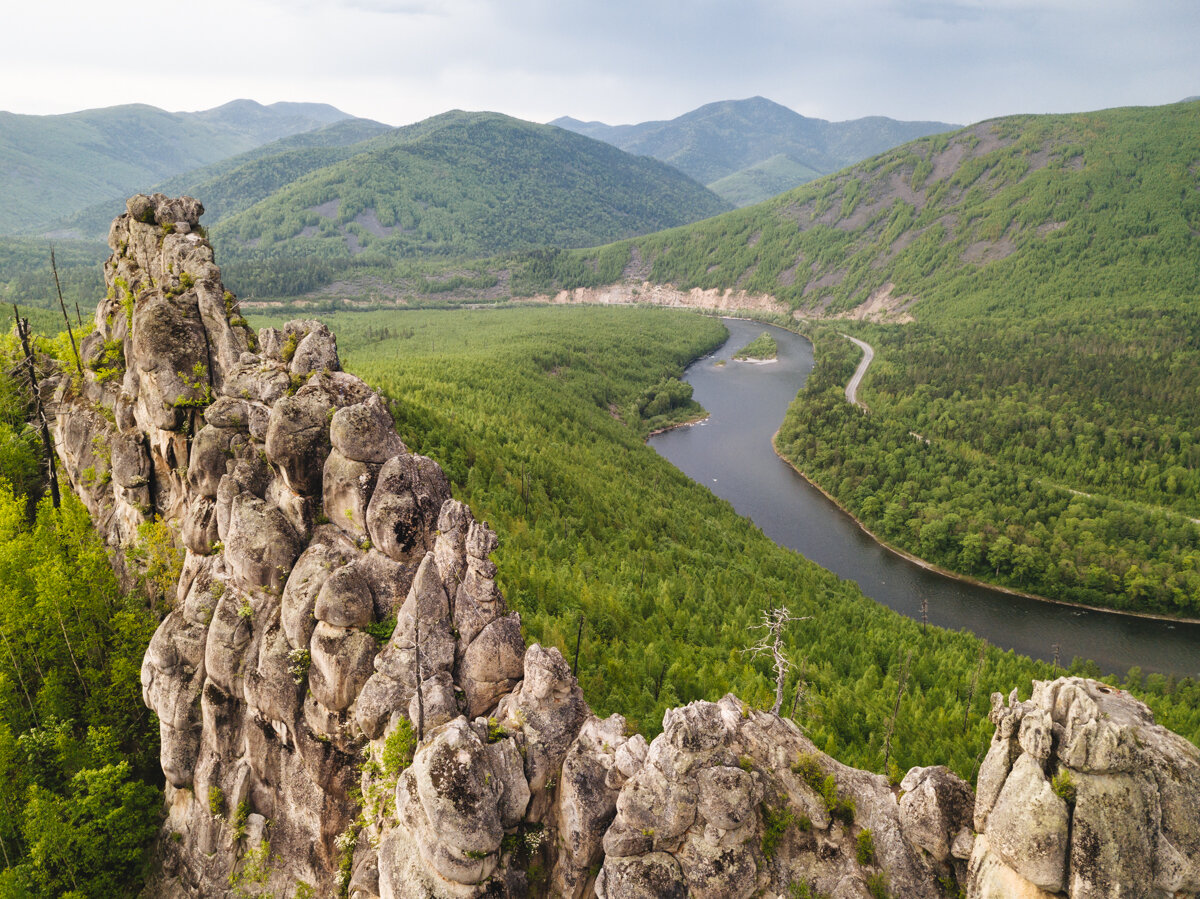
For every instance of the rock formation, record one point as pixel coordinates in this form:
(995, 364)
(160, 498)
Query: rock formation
(348, 707)
(1081, 794)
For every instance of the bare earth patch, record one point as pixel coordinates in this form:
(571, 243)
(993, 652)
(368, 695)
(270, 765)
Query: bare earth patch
(665, 295)
(883, 306)
(327, 210)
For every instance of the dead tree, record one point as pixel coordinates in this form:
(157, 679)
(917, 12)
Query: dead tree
(66, 318)
(887, 743)
(974, 687)
(771, 644)
(23, 332)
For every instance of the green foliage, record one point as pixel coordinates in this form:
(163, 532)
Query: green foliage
(457, 185)
(776, 821)
(864, 847)
(199, 387)
(761, 347)
(668, 577)
(382, 630)
(288, 349)
(399, 748)
(1063, 786)
(667, 403)
(804, 890)
(157, 560)
(111, 363)
(240, 816)
(78, 750)
(216, 801)
(299, 661)
(90, 841)
(982, 489)
(877, 886)
(495, 731)
(249, 880)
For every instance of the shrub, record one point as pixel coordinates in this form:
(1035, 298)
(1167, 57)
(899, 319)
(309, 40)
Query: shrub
(216, 801)
(399, 748)
(865, 847)
(1064, 786)
(877, 886)
(776, 821)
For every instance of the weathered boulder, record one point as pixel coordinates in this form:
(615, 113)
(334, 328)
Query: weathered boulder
(935, 808)
(261, 546)
(298, 440)
(403, 512)
(364, 432)
(1082, 794)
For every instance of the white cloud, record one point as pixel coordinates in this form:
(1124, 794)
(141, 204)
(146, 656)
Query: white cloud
(619, 61)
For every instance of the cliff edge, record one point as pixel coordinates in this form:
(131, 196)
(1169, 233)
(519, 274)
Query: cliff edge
(348, 707)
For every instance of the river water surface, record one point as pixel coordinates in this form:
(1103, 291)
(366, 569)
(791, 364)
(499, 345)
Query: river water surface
(731, 453)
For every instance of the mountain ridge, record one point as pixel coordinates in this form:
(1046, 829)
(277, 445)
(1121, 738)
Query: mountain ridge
(722, 139)
(68, 161)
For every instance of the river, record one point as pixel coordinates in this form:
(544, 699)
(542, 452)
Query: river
(731, 453)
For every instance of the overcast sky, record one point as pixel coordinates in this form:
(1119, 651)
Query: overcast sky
(618, 61)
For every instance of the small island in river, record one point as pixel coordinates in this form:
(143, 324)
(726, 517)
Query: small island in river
(761, 349)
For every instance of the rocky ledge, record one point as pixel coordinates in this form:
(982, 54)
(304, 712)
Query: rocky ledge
(347, 706)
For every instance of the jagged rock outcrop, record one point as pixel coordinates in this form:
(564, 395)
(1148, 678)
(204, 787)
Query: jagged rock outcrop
(1082, 795)
(342, 689)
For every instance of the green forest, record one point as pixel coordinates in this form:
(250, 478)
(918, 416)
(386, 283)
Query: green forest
(1035, 426)
(538, 415)
(1064, 490)
(517, 406)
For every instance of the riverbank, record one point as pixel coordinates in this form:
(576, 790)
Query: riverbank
(679, 424)
(966, 578)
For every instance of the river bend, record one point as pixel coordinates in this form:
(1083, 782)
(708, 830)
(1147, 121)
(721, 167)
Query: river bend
(731, 453)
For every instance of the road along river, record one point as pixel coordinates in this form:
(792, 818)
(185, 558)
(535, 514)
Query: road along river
(731, 453)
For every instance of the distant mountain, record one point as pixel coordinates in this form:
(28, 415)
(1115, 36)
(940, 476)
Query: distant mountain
(53, 165)
(749, 150)
(237, 183)
(462, 183)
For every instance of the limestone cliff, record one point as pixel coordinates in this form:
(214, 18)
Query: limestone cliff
(347, 706)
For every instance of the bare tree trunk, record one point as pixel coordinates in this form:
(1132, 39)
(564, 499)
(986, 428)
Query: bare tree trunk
(43, 425)
(20, 678)
(887, 743)
(66, 318)
(974, 687)
(578, 641)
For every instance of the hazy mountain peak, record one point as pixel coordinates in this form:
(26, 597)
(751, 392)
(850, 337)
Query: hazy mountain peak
(747, 150)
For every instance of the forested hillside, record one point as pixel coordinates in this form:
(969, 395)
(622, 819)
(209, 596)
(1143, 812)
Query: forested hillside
(80, 784)
(529, 412)
(57, 164)
(238, 182)
(351, 201)
(459, 184)
(1035, 426)
(749, 150)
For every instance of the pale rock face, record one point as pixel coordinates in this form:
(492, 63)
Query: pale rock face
(276, 682)
(1093, 805)
(1029, 826)
(936, 807)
